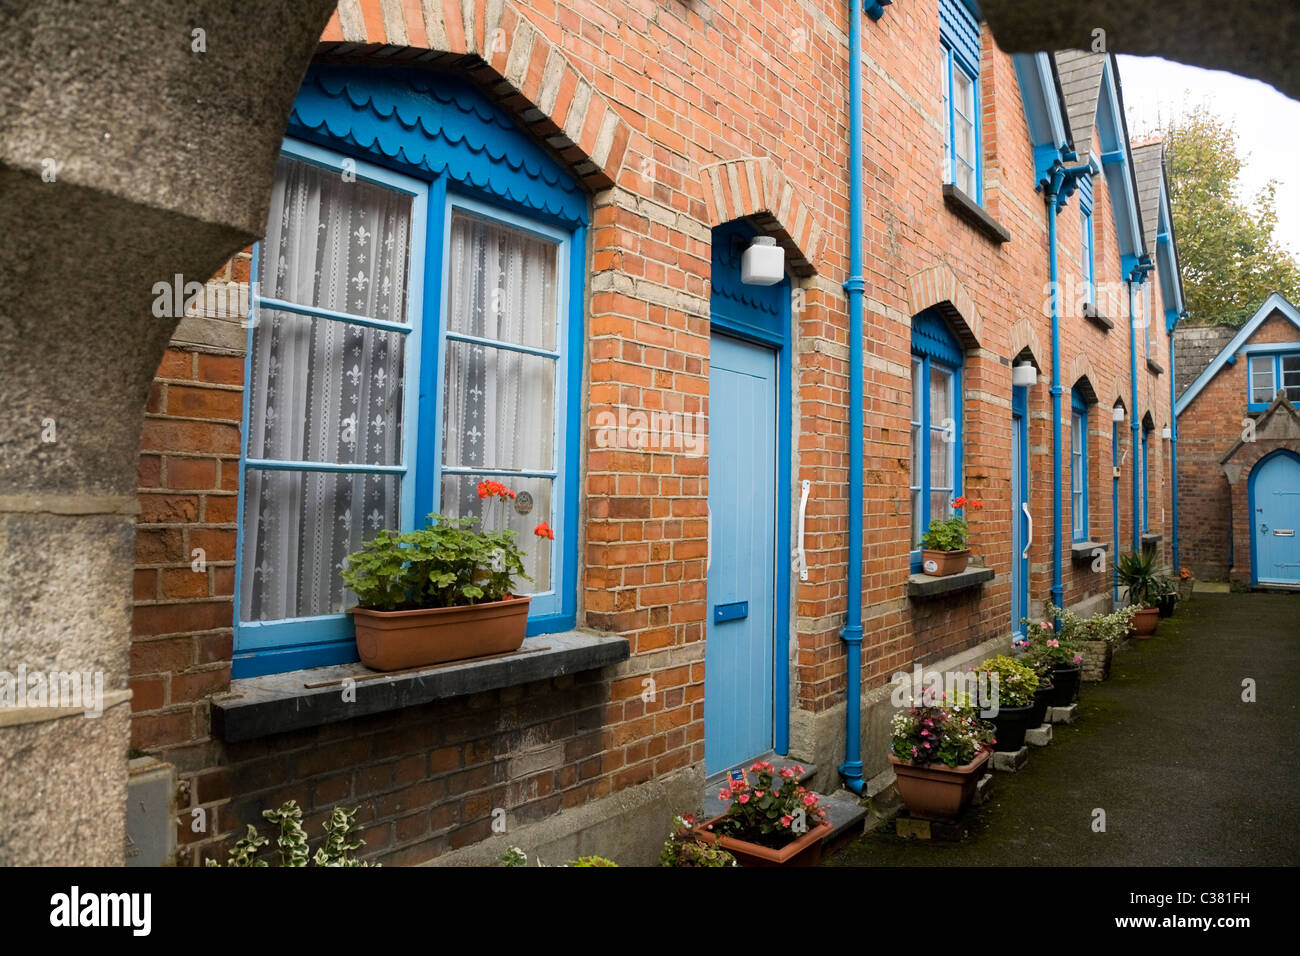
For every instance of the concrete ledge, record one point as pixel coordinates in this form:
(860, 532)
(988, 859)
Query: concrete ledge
(927, 586)
(1149, 540)
(1011, 760)
(1155, 367)
(975, 214)
(1096, 318)
(1062, 715)
(1039, 736)
(1082, 550)
(276, 703)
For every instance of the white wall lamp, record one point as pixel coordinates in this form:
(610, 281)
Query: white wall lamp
(1166, 433)
(1024, 375)
(1117, 413)
(763, 262)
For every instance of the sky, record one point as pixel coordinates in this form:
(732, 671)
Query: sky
(1267, 123)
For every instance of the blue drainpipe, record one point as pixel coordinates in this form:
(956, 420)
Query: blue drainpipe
(1058, 185)
(1114, 510)
(851, 769)
(1138, 275)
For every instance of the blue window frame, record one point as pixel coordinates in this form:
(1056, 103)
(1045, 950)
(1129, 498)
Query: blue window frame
(959, 35)
(936, 435)
(1078, 467)
(1088, 257)
(475, 370)
(1269, 373)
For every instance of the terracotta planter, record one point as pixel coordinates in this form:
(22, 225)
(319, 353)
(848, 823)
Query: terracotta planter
(805, 851)
(939, 564)
(1145, 622)
(937, 791)
(393, 640)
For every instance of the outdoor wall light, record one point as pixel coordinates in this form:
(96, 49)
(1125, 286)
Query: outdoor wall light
(1166, 433)
(1023, 374)
(763, 262)
(1117, 413)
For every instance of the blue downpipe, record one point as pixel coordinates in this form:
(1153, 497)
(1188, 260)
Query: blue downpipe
(1134, 419)
(1114, 514)
(851, 769)
(1173, 443)
(1058, 592)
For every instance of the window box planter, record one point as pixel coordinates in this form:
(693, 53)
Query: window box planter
(940, 564)
(393, 640)
(1145, 623)
(805, 851)
(936, 791)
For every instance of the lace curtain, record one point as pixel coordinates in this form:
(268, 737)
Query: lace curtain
(323, 390)
(498, 404)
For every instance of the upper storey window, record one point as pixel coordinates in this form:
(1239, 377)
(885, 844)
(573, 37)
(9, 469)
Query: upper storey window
(959, 34)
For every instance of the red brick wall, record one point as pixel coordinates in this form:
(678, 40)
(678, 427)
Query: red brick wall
(658, 94)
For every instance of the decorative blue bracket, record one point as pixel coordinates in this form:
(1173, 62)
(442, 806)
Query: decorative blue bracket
(875, 8)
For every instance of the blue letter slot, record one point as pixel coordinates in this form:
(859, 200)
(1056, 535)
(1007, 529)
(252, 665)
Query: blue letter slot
(735, 611)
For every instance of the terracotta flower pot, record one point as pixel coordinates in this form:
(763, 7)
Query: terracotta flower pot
(1145, 622)
(804, 851)
(393, 640)
(939, 564)
(936, 791)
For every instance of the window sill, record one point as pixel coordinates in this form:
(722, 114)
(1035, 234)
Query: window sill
(1082, 550)
(1151, 540)
(1154, 366)
(922, 586)
(974, 213)
(1096, 318)
(278, 703)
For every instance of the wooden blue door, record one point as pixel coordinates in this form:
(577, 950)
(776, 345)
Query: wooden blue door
(1020, 526)
(739, 634)
(1275, 496)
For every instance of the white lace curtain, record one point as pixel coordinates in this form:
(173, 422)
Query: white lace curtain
(323, 390)
(498, 404)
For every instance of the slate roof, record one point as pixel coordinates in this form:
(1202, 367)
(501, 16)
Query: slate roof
(1080, 77)
(1148, 168)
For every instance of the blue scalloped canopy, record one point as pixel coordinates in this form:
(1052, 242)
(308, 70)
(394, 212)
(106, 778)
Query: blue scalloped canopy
(438, 123)
(931, 336)
(756, 308)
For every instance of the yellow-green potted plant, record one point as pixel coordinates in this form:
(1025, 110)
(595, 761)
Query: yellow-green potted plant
(944, 547)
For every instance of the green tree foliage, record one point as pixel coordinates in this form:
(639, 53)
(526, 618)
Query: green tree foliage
(1231, 260)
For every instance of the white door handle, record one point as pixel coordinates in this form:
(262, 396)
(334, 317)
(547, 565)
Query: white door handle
(799, 555)
(1024, 506)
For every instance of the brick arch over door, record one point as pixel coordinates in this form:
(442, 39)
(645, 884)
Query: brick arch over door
(939, 288)
(756, 189)
(528, 75)
(1023, 337)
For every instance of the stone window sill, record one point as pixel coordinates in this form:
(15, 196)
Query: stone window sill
(1096, 318)
(974, 213)
(278, 703)
(922, 586)
(1082, 550)
(1150, 540)
(1155, 367)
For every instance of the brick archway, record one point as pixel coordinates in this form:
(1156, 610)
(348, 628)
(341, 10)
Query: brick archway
(756, 189)
(1023, 337)
(939, 288)
(509, 58)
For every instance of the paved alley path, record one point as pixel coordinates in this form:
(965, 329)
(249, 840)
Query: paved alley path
(1188, 774)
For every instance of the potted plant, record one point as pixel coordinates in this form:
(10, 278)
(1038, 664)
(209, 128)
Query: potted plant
(1098, 636)
(1056, 651)
(1043, 692)
(442, 593)
(1186, 584)
(774, 821)
(938, 754)
(944, 548)
(1165, 594)
(1016, 683)
(685, 847)
(1136, 571)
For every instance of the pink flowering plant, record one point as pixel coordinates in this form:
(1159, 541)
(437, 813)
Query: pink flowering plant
(773, 810)
(951, 734)
(1045, 648)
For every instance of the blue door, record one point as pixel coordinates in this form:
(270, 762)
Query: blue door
(1275, 498)
(1020, 520)
(740, 634)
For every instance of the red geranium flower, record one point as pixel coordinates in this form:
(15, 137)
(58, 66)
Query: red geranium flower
(543, 530)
